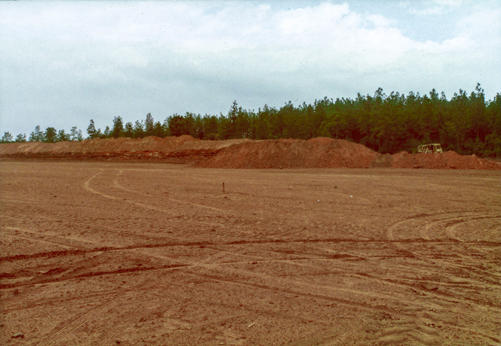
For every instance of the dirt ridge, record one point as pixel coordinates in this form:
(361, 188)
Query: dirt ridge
(242, 153)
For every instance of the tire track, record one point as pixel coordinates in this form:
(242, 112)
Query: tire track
(22, 201)
(197, 205)
(425, 265)
(420, 333)
(84, 268)
(32, 239)
(452, 223)
(470, 331)
(71, 274)
(90, 315)
(432, 289)
(400, 333)
(421, 287)
(93, 274)
(72, 325)
(417, 335)
(442, 300)
(60, 241)
(95, 192)
(403, 245)
(450, 228)
(362, 306)
(411, 307)
(423, 331)
(236, 242)
(23, 304)
(295, 262)
(453, 269)
(117, 184)
(146, 206)
(21, 219)
(107, 338)
(390, 230)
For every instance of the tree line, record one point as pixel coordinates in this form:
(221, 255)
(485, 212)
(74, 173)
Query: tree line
(467, 123)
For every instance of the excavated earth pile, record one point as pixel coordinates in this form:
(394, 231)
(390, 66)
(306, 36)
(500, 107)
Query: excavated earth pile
(293, 153)
(449, 159)
(172, 149)
(242, 153)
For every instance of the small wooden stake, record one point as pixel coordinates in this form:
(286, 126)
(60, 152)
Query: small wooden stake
(223, 187)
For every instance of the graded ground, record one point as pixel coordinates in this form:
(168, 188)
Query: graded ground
(108, 253)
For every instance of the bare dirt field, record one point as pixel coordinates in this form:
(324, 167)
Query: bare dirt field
(107, 253)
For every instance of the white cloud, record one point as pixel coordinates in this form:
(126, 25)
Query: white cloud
(449, 2)
(435, 10)
(431, 7)
(102, 59)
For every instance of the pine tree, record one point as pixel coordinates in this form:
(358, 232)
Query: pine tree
(7, 138)
(138, 129)
(118, 127)
(129, 130)
(62, 136)
(91, 130)
(37, 135)
(50, 135)
(76, 134)
(21, 138)
(149, 125)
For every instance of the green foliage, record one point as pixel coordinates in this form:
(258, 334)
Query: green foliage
(62, 136)
(7, 138)
(159, 130)
(138, 130)
(37, 135)
(177, 125)
(107, 133)
(91, 130)
(50, 135)
(209, 127)
(21, 138)
(76, 134)
(129, 130)
(237, 124)
(118, 128)
(149, 125)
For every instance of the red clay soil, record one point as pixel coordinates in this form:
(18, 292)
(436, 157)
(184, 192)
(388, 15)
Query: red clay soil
(293, 153)
(171, 149)
(145, 253)
(242, 153)
(449, 159)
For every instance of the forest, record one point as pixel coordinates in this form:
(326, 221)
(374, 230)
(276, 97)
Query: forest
(467, 123)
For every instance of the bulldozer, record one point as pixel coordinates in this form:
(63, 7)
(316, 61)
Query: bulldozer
(433, 148)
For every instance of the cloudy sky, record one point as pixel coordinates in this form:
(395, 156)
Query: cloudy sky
(64, 63)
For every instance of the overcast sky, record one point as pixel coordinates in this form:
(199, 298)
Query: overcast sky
(64, 63)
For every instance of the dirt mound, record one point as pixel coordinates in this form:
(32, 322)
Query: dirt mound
(185, 147)
(242, 153)
(111, 145)
(447, 160)
(293, 153)
(332, 153)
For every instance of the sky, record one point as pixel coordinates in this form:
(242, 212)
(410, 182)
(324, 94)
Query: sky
(65, 63)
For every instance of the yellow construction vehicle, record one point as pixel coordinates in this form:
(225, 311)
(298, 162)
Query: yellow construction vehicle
(433, 148)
